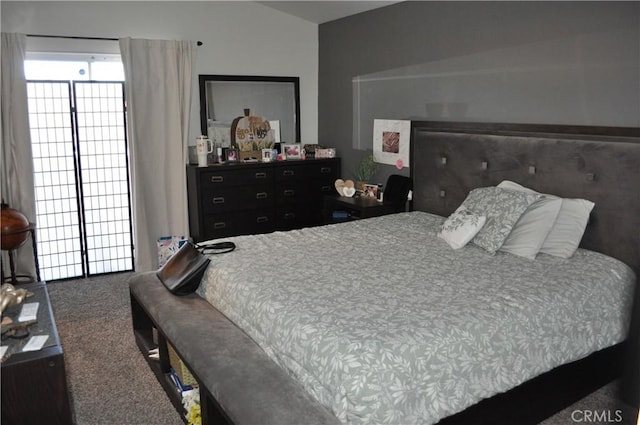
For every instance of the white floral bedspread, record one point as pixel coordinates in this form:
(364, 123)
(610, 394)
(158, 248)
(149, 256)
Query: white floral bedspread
(384, 323)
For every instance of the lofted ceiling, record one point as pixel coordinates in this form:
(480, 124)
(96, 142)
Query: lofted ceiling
(324, 11)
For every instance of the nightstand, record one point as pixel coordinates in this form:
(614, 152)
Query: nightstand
(354, 208)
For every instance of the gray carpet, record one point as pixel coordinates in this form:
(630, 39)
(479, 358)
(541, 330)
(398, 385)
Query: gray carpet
(601, 407)
(110, 382)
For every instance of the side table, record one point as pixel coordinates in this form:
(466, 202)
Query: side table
(34, 384)
(355, 208)
(15, 278)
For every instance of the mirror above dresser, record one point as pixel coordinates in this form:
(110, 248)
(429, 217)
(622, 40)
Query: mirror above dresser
(225, 97)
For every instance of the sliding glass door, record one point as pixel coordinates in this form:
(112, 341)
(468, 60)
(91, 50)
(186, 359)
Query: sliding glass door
(83, 212)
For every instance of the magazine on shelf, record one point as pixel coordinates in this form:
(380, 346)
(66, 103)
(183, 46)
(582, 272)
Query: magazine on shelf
(176, 380)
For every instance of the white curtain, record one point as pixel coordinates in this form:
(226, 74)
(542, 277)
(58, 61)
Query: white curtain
(158, 78)
(16, 165)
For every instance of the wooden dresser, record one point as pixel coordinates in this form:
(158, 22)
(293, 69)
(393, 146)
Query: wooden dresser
(248, 198)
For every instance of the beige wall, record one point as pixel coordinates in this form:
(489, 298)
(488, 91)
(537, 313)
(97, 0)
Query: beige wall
(239, 38)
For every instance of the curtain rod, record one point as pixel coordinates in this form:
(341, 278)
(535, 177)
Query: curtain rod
(199, 43)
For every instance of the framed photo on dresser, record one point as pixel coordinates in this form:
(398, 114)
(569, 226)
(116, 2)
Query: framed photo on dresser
(231, 155)
(292, 151)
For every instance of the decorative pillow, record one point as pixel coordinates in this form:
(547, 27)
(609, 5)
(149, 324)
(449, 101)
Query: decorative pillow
(460, 227)
(566, 233)
(502, 208)
(531, 230)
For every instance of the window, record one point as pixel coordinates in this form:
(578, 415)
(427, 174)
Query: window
(73, 67)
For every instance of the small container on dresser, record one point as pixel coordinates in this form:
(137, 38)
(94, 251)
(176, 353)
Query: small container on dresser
(239, 198)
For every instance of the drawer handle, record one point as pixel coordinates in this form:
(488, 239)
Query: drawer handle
(261, 195)
(325, 170)
(218, 200)
(288, 173)
(325, 189)
(217, 179)
(289, 192)
(261, 175)
(289, 216)
(219, 225)
(262, 219)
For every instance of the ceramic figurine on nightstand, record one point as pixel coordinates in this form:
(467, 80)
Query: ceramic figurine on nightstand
(345, 188)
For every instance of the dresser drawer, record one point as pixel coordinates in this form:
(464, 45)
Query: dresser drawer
(292, 192)
(319, 188)
(292, 171)
(296, 216)
(311, 170)
(305, 191)
(323, 170)
(236, 177)
(225, 199)
(239, 223)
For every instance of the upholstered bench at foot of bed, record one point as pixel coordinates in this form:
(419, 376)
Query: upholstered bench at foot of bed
(247, 386)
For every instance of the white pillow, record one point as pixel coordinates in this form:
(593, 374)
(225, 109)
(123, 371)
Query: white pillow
(460, 227)
(566, 233)
(528, 235)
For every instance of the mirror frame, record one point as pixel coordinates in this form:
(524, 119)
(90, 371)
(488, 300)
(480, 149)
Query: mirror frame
(204, 78)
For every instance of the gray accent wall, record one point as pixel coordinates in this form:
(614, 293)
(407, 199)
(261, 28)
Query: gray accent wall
(515, 62)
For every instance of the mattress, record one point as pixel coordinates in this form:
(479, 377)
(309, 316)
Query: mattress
(383, 322)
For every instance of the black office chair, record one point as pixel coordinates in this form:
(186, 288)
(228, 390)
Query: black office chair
(396, 191)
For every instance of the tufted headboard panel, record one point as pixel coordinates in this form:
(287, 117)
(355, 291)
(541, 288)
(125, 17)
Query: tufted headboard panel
(601, 164)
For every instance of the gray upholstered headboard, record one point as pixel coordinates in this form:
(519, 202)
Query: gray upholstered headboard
(601, 164)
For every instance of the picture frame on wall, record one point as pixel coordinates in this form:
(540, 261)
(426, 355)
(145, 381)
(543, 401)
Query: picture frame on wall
(292, 150)
(391, 142)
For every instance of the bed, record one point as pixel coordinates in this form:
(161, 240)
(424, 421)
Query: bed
(395, 326)
(382, 334)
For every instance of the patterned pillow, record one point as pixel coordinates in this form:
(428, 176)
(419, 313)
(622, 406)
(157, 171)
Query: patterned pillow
(502, 208)
(461, 227)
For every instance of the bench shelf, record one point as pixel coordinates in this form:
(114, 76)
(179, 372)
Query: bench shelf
(148, 336)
